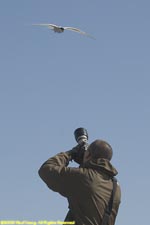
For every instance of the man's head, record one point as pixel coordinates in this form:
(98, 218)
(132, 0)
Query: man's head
(98, 149)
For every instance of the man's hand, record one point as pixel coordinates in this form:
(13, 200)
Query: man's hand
(77, 153)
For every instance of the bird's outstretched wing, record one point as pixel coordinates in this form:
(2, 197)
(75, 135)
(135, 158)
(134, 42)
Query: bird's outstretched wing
(79, 31)
(49, 25)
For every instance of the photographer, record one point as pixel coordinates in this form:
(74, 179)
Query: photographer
(87, 188)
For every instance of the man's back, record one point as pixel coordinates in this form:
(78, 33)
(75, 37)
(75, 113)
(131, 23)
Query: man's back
(93, 190)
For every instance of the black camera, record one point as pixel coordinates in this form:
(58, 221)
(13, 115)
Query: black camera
(81, 136)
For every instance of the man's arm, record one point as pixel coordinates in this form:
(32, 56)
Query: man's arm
(58, 177)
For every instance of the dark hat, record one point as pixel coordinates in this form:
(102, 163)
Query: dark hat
(100, 149)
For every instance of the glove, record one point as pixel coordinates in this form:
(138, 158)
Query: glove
(77, 153)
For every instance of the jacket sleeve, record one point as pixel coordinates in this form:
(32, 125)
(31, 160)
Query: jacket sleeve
(58, 177)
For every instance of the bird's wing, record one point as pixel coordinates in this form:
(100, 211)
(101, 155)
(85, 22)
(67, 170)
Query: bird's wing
(49, 25)
(79, 31)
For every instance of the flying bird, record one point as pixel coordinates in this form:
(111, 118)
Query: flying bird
(60, 29)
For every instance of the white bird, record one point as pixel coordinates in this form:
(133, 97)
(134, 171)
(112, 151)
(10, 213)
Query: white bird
(59, 29)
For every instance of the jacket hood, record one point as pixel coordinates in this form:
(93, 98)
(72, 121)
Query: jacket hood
(102, 165)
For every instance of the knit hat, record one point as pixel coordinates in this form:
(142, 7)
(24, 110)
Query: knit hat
(100, 149)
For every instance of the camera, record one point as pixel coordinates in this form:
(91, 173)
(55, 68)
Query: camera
(81, 136)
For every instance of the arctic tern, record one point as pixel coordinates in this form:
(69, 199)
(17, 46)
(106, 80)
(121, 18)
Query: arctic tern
(60, 29)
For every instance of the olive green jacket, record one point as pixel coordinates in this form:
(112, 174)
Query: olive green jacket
(88, 188)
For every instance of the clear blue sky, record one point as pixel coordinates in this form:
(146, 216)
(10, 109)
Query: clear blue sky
(50, 84)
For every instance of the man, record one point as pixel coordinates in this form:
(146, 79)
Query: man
(87, 188)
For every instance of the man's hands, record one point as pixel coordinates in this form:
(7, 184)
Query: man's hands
(77, 153)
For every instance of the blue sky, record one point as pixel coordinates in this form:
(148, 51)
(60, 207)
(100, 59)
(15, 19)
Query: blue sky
(51, 84)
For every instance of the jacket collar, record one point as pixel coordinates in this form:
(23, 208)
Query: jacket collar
(102, 165)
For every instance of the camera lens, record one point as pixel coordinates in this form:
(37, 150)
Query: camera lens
(81, 135)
